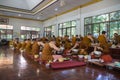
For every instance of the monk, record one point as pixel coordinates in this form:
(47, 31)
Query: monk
(35, 47)
(76, 45)
(88, 39)
(116, 38)
(47, 51)
(14, 44)
(103, 41)
(58, 41)
(23, 44)
(67, 44)
(102, 38)
(18, 45)
(28, 46)
(73, 40)
(83, 48)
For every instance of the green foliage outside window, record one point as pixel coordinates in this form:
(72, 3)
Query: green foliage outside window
(67, 28)
(109, 22)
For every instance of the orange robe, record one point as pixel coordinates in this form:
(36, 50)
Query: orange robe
(11, 42)
(86, 41)
(28, 47)
(102, 40)
(14, 44)
(83, 48)
(23, 45)
(68, 45)
(117, 39)
(58, 42)
(18, 46)
(103, 43)
(73, 40)
(35, 48)
(47, 53)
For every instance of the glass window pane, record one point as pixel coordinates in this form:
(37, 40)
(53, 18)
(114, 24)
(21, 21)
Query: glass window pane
(60, 25)
(23, 37)
(60, 32)
(103, 27)
(9, 37)
(88, 29)
(37, 29)
(96, 30)
(119, 27)
(73, 23)
(73, 31)
(95, 19)
(64, 32)
(88, 20)
(100, 18)
(3, 36)
(113, 28)
(115, 15)
(66, 24)
(33, 29)
(68, 31)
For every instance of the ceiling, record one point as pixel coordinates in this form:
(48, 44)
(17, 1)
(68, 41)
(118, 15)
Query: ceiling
(39, 9)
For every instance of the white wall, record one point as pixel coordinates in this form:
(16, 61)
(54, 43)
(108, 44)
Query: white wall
(17, 23)
(101, 7)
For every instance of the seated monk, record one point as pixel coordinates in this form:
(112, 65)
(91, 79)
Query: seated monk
(18, 45)
(116, 38)
(23, 44)
(73, 40)
(88, 39)
(35, 47)
(67, 46)
(48, 49)
(76, 45)
(83, 49)
(103, 39)
(28, 46)
(14, 44)
(41, 44)
(58, 41)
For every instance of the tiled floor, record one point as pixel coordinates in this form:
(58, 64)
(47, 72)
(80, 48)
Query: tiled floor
(13, 66)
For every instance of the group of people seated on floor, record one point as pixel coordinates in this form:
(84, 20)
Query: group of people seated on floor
(87, 45)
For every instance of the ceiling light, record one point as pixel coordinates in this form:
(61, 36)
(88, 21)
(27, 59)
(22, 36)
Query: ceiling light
(56, 9)
(38, 17)
(62, 2)
(19, 15)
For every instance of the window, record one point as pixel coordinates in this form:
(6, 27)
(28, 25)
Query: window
(29, 32)
(88, 20)
(109, 22)
(67, 28)
(6, 32)
(48, 31)
(115, 16)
